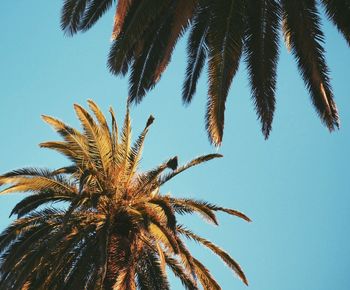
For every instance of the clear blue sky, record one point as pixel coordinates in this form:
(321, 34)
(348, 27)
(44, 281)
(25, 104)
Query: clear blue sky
(295, 186)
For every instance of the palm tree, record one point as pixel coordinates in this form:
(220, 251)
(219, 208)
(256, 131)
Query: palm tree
(113, 229)
(146, 32)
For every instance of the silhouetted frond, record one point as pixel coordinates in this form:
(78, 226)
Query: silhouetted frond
(261, 48)
(301, 27)
(145, 34)
(196, 51)
(225, 41)
(93, 12)
(72, 13)
(339, 12)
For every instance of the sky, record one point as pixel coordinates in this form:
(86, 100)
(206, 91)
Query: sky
(294, 186)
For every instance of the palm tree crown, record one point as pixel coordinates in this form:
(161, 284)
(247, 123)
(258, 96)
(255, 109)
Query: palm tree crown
(117, 231)
(146, 32)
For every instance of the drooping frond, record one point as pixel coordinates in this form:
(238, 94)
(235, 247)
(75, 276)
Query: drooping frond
(122, 8)
(231, 263)
(339, 12)
(225, 41)
(149, 272)
(145, 34)
(138, 19)
(189, 206)
(32, 202)
(93, 12)
(167, 209)
(302, 32)
(196, 51)
(72, 13)
(179, 272)
(261, 49)
(181, 17)
(206, 279)
(126, 279)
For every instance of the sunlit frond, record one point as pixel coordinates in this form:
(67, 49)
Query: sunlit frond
(114, 229)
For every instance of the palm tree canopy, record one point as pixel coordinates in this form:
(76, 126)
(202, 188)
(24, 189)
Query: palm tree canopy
(220, 32)
(117, 231)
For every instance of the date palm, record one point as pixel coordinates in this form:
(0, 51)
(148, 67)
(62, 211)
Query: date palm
(220, 32)
(113, 229)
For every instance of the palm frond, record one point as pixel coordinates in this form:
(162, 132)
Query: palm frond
(99, 151)
(149, 181)
(167, 210)
(301, 27)
(187, 205)
(206, 279)
(76, 145)
(338, 11)
(71, 15)
(196, 52)
(137, 20)
(190, 164)
(136, 150)
(32, 202)
(231, 263)
(225, 40)
(37, 183)
(181, 17)
(93, 12)
(121, 11)
(179, 272)
(149, 272)
(126, 279)
(105, 132)
(261, 48)
(114, 133)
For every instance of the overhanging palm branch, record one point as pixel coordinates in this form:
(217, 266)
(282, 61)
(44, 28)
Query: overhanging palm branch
(113, 229)
(145, 34)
